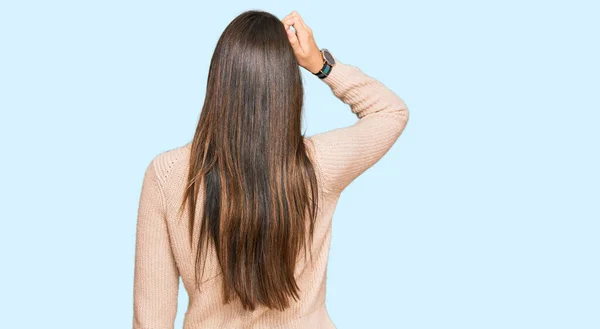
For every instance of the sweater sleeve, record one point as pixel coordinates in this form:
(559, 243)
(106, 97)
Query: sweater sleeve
(156, 277)
(345, 153)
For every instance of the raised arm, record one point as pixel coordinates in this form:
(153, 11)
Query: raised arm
(345, 153)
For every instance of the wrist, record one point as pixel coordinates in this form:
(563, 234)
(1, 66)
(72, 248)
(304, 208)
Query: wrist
(316, 65)
(328, 62)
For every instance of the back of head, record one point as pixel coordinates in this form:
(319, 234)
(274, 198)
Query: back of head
(253, 68)
(248, 152)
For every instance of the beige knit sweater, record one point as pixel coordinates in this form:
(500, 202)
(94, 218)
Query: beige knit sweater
(162, 253)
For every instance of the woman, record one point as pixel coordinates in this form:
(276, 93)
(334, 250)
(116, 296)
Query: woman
(231, 211)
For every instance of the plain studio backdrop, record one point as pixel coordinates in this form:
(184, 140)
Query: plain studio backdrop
(484, 214)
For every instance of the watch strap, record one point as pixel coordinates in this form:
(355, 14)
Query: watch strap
(326, 69)
(324, 72)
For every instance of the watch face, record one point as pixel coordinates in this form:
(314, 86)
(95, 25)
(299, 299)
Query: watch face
(328, 56)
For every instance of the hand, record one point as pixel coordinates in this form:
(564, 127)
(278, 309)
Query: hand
(303, 43)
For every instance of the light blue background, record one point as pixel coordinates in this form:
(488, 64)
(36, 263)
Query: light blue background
(485, 213)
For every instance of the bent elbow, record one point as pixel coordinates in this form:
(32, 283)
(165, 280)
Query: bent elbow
(403, 117)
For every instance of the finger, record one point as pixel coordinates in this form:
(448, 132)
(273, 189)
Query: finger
(301, 30)
(287, 16)
(286, 21)
(295, 14)
(294, 42)
(287, 24)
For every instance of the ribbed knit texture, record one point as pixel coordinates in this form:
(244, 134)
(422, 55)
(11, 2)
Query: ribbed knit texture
(162, 252)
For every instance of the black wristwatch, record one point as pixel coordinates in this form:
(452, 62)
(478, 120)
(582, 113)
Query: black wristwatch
(328, 64)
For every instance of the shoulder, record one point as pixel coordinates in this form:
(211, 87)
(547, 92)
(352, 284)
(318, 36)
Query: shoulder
(164, 162)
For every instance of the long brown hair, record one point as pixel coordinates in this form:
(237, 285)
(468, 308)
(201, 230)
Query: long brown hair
(260, 186)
